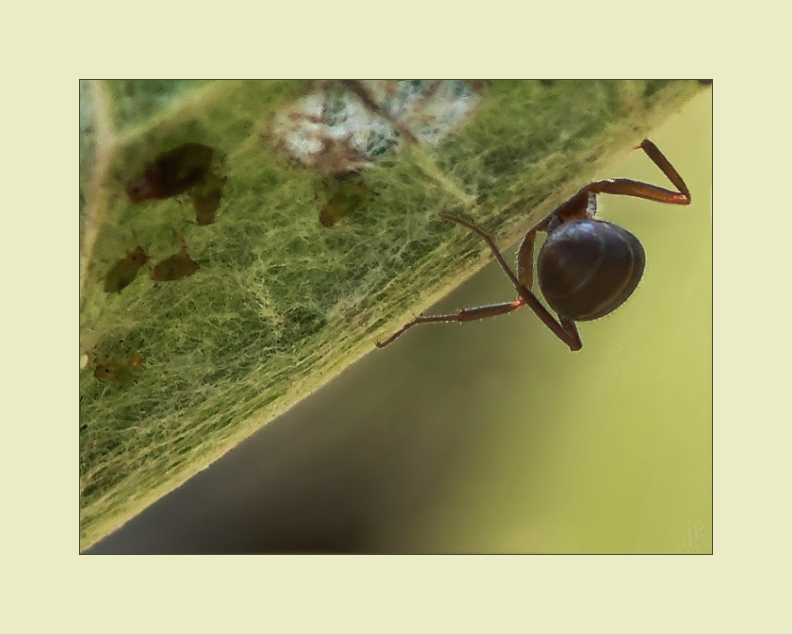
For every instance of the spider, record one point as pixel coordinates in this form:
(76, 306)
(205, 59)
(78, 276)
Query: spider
(586, 268)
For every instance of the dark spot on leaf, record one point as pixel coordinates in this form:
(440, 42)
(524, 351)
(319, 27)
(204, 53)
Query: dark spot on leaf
(125, 270)
(172, 173)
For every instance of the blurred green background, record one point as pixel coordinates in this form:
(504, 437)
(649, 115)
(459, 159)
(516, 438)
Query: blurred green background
(492, 436)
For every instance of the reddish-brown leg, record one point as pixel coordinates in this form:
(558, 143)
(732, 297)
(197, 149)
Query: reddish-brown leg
(467, 314)
(525, 259)
(627, 187)
(564, 330)
(659, 159)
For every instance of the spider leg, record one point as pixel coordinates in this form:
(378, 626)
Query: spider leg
(561, 329)
(467, 314)
(627, 187)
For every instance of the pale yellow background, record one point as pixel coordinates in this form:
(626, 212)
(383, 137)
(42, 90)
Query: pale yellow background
(50, 586)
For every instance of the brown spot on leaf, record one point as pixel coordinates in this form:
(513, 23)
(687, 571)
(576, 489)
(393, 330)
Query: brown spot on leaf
(175, 267)
(172, 173)
(125, 270)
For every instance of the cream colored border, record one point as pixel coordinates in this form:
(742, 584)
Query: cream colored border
(51, 586)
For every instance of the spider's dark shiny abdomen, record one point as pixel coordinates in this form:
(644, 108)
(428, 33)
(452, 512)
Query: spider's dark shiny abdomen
(588, 268)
